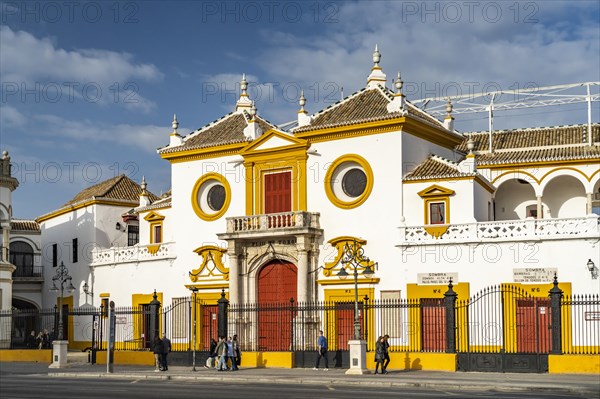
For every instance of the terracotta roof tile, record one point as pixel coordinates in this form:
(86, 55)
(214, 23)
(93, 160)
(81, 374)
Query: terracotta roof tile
(24, 225)
(435, 167)
(226, 130)
(117, 188)
(554, 143)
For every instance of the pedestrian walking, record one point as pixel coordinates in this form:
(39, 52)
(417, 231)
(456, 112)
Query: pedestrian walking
(379, 355)
(386, 353)
(212, 354)
(166, 349)
(221, 351)
(157, 349)
(237, 351)
(322, 351)
(231, 355)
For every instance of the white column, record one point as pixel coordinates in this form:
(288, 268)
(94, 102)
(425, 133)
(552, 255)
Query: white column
(5, 242)
(302, 275)
(588, 203)
(539, 207)
(234, 272)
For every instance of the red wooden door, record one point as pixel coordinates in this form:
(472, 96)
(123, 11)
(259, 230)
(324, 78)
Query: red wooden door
(277, 284)
(278, 197)
(433, 324)
(210, 327)
(344, 313)
(533, 321)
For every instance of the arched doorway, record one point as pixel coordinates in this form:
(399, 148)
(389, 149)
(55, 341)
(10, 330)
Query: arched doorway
(277, 284)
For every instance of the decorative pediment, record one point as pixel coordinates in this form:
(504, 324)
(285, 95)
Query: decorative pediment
(435, 191)
(154, 217)
(339, 243)
(212, 267)
(273, 139)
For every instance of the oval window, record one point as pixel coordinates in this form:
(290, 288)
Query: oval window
(216, 197)
(354, 182)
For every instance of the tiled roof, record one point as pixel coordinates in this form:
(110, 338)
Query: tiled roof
(365, 105)
(117, 188)
(227, 130)
(24, 225)
(554, 143)
(435, 167)
(164, 202)
(531, 137)
(543, 154)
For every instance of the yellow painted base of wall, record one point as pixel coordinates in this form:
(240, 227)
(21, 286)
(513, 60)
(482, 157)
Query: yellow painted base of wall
(137, 358)
(417, 361)
(268, 359)
(26, 355)
(561, 364)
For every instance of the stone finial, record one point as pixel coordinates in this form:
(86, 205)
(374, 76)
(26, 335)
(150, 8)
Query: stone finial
(252, 131)
(244, 102)
(399, 83)
(175, 138)
(376, 56)
(144, 199)
(253, 110)
(470, 145)
(303, 117)
(449, 119)
(302, 101)
(5, 155)
(175, 124)
(143, 185)
(377, 77)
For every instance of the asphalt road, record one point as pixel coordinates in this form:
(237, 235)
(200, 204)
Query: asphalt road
(35, 383)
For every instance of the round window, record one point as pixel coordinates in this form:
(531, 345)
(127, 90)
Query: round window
(354, 182)
(211, 196)
(216, 197)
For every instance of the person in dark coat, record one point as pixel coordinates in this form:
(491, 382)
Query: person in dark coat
(166, 349)
(157, 349)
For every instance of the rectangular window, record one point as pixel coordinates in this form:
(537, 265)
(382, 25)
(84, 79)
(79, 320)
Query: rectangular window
(54, 255)
(157, 236)
(133, 235)
(437, 213)
(75, 250)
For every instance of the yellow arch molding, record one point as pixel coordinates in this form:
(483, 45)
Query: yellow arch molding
(338, 243)
(209, 217)
(208, 253)
(565, 168)
(516, 172)
(328, 180)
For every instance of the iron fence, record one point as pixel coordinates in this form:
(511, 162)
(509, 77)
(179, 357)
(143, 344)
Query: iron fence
(501, 319)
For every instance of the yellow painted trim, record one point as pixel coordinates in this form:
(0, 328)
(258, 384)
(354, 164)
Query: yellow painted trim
(346, 295)
(268, 360)
(416, 292)
(216, 151)
(209, 286)
(355, 130)
(516, 173)
(105, 295)
(266, 136)
(594, 174)
(568, 364)
(329, 175)
(436, 230)
(418, 361)
(209, 217)
(153, 249)
(137, 300)
(95, 201)
(153, 239)
(154, 217)
(374, 280)
(208, 252)
(435, 190)
(431, 195)
(26, 355)
(565, 168)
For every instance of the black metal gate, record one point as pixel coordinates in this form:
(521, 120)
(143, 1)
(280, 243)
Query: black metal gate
(503, 329)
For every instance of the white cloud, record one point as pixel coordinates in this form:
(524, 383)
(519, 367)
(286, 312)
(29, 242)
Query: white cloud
(29, 63)
(10, 117)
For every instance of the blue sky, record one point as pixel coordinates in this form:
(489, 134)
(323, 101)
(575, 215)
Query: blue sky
(88, 89)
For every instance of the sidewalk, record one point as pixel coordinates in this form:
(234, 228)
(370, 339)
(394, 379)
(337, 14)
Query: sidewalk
(588, 385)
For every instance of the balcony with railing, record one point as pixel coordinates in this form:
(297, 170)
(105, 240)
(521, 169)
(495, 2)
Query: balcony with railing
(272, 224)
(133, 254)
(28, 273)
(506, 230)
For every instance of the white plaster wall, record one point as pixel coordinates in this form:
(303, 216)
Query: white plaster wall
(565, 197)
(512, 198)
(482, 202)
(415, 150)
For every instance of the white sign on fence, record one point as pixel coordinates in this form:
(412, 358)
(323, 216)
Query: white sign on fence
(534, 275)
(437, 278)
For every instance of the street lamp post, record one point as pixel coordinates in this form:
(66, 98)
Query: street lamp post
(353, 257)
(194, 291)
(59, 345)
